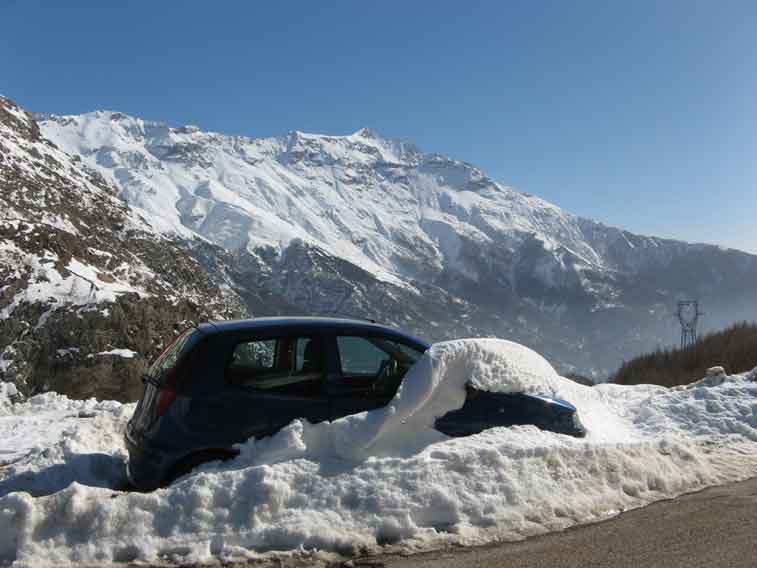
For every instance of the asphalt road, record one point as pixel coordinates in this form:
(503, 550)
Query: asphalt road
(715, 528)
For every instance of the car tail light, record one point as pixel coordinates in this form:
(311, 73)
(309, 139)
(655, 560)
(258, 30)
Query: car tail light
(166, 398)
(168, 390)
(170, 381)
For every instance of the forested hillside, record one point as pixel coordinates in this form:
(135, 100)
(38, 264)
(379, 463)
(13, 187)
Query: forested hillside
(734, 348)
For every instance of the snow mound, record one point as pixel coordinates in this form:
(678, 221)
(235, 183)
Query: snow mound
(49, 441)
(7, 390)
(433, 387)
(380, 478)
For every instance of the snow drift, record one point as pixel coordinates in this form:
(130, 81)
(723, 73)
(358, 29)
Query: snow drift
(378, 478)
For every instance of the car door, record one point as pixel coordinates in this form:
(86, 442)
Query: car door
(226, 410)
(268, 383)
(368, 370)
(301, 392)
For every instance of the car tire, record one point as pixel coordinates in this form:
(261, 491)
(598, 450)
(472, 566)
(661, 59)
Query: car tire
(188, 463)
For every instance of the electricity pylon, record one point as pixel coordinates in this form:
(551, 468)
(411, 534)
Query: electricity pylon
(688, 316)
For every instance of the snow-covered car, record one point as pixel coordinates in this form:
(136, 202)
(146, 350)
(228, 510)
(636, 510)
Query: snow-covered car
(222, 383)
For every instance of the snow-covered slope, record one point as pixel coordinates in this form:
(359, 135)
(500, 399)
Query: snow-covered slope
(381, 204)
(81, 272)
(381, 478)
(380, 214)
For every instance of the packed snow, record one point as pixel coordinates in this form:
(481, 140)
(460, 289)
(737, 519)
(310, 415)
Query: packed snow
(120, 352)
(383, 478)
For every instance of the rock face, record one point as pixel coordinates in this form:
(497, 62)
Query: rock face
(88, 289)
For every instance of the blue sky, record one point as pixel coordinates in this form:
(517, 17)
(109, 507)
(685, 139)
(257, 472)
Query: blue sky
(639, 114)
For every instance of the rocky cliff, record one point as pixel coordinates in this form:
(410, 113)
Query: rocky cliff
(89, 290)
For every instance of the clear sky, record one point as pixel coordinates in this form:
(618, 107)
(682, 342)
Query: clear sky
(639, 114)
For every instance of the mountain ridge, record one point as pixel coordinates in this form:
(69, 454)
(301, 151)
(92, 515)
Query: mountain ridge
(408, 218)
(365, 132)
(368, 226)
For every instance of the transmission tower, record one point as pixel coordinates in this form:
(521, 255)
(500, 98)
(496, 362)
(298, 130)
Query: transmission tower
(688, 316)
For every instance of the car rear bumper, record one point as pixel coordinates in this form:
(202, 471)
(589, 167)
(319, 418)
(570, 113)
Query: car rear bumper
(146, 468)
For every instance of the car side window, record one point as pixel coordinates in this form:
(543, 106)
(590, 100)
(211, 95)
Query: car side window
(358, 357)
(255, 355)
(309, 356)
(365, 358)
(277, 363)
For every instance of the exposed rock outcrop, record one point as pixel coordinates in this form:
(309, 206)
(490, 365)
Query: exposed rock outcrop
(88, 289)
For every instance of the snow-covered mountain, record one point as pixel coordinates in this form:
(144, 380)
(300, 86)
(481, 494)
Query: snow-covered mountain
(351, 224)
(380, 204)
(356, 225)
(87, 287)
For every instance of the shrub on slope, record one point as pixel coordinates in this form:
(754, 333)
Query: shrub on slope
(734, 348)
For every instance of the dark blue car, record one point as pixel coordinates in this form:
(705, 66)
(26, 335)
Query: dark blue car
(222, 383)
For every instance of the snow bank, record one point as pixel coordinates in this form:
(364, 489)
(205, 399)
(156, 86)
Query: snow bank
(379, 478)
(8, 392)
(49, 440)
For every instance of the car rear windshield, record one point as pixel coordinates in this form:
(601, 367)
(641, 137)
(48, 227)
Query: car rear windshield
(168, 359)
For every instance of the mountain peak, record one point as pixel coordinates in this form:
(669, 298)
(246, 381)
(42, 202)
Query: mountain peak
(365, 133)
(188, 129)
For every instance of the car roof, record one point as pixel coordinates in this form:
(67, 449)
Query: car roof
(305, 323)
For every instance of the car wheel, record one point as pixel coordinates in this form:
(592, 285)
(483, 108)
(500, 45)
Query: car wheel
(188, 463)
